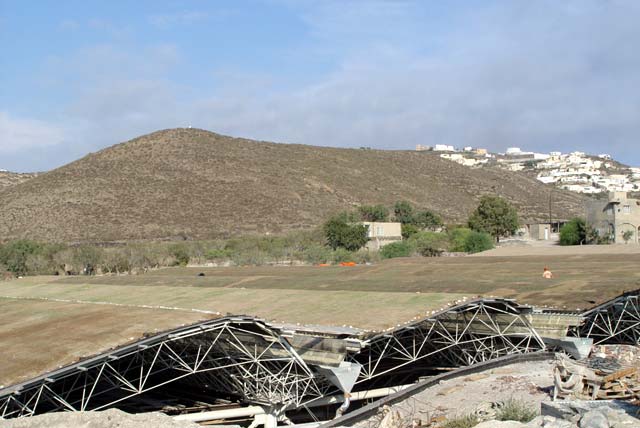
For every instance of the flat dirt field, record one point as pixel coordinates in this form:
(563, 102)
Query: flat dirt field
(49, 321)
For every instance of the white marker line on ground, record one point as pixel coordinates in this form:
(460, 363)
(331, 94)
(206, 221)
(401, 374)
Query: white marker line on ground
(171, 308)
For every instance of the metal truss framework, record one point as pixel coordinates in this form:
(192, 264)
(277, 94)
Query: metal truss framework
(241, 356)
(463, 335)
(256, 362)
(616, 321)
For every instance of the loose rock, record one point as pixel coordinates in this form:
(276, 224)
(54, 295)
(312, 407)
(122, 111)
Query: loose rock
(594, 419)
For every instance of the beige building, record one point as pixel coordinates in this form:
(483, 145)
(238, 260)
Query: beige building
(382, 233)
(539, 231)
(543, 231)
(616, 218)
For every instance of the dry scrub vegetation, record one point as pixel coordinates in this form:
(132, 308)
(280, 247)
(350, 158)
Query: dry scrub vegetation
(8, 178)
(197, 184)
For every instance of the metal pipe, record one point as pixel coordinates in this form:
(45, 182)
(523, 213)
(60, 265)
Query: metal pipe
(360, 395)
(257, 410)
(221, 414)
(343, 408)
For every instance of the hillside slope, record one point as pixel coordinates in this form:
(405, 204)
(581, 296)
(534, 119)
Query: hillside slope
(8, 178)
(196, 183)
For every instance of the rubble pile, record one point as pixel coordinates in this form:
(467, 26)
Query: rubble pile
(611, 372)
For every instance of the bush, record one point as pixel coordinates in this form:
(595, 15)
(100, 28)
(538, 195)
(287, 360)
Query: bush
(37, 264)
(373, 213)
(115, 260)
(316, 254)
(467, 421)
(14, 255)
(252, 257)
(218, 254)
(403, 212)
(86, 258)
(181, 254)
(458, 238)
(396, 249)
(427, 220)
(409, 230)
(429, 244)
(341, 255)
(476, 242)
(366, 256)
(514, 410)
(574, 232)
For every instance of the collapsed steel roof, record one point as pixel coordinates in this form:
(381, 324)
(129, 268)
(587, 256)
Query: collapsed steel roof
(290, 366)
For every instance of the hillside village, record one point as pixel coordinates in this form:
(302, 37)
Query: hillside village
(577, 171)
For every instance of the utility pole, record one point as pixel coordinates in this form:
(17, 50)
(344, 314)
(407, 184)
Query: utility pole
(550, 224)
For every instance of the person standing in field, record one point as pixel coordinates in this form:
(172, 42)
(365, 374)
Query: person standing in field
(546, 273)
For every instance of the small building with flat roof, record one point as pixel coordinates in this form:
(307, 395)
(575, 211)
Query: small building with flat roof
(382, 233)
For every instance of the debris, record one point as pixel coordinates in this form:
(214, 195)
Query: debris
(594, 419)
(613, 372)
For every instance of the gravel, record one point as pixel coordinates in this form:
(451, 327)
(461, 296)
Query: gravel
(111, 418)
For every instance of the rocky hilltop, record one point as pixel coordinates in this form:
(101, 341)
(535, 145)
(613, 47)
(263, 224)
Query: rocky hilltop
(198, 184)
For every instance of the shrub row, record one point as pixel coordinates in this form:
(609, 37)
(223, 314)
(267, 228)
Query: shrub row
(25, 257)
(430, 244)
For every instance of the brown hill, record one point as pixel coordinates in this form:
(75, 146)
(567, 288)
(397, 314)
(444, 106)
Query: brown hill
(196, 183)
(8, 178)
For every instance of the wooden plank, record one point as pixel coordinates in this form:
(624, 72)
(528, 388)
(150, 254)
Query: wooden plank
(620, 373)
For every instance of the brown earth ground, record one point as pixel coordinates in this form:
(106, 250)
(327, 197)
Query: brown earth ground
(49, 321)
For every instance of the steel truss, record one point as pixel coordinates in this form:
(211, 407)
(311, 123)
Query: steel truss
(616, 321)
(256, 362)
(462, 335)
(241, 356)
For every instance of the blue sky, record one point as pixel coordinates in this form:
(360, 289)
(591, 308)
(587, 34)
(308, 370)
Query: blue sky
(543, 75)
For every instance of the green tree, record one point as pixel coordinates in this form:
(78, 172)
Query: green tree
(404, 212)
(574, 232)
(14, 255)
(476, 242)
(427, 220)
(342, 234)
(494, 216)
(373, 213)
(627, 235)
(396, 249)
(409, 230)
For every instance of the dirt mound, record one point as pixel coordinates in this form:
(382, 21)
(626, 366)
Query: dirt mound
(198, 184)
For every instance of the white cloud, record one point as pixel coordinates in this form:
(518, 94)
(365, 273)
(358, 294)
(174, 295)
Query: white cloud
(540, 75)
(23, 134)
